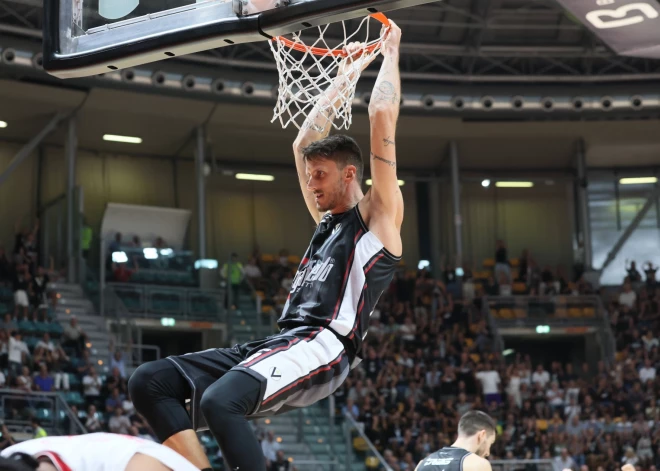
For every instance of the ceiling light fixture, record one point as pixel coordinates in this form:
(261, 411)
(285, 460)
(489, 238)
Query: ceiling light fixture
(124, 139)
(514, 184)
(638, 180)
(255, 177)
(369, 182)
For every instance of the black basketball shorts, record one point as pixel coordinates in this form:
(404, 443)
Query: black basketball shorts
(296, 369)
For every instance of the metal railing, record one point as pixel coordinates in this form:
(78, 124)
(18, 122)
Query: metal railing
(522, 465)
(136, 353)
(353, 428)
(158, 301)
(555, 310)
(52, 403)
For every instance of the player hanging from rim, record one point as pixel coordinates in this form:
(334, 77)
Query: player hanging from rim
(349, 263)
(476, 434)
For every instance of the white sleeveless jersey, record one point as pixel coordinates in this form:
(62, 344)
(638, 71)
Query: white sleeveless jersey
(98, 452)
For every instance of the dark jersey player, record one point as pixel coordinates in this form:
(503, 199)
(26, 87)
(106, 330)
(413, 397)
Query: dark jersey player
(349, 263)
(476, 434)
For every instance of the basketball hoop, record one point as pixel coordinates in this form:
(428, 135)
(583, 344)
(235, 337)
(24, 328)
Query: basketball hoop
(307, 72)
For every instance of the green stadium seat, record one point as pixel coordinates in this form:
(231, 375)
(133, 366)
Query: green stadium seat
(26, 327)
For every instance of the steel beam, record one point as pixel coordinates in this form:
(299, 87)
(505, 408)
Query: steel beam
(456, 201)
(583, 206)
(634, 224)
(200, 155)
(28, 148)
(71, 150)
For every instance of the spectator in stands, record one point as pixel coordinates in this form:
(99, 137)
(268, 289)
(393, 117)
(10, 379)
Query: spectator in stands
(121, 273)
(490, 383)
(40, 292)
(117, 361)
(281, 463)
(92, 384)
(74, 337)
(38, 430)
(549, 286)
(4, 349)
(502, 264)
(633, 274)
(115, 381)
(252, 270)
(540, 376)
(563, 461)
(18, 353)
(270, 447)
(24, 381)
(22, 287)
(93, 423)
(233, 273)
(119, 423)
(6, 439)
(115, 400)
(628, 297)
(44, 381)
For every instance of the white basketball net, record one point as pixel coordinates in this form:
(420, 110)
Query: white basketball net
(311, 82)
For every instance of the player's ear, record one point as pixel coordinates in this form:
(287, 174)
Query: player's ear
(350, 172)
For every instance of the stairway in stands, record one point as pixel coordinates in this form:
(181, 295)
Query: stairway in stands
(246, 324)
(72, 301)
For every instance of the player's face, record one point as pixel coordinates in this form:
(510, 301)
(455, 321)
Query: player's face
(325, 181)
(485, 441)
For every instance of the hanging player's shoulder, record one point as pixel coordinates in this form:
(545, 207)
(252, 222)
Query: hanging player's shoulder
(474, 462)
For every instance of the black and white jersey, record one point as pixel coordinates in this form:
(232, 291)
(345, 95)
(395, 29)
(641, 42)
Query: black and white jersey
(343, 273)
(448, 458)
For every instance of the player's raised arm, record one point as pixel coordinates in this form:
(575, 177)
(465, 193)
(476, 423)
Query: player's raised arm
(319, 122)
(383, 115)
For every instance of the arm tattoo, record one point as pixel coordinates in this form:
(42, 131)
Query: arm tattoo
(385, 91)
(388, 162)
(387, 141)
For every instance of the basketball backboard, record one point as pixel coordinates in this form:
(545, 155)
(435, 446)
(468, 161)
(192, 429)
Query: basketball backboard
(89, 37)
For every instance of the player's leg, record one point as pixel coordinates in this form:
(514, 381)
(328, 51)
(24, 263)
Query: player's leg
(159, 391)
(225, 405)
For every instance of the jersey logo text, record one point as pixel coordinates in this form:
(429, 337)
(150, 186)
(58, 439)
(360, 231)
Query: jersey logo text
(315, 271)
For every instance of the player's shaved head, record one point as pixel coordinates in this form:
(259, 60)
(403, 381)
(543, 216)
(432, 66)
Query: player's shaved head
(474, 422)
(341, 149)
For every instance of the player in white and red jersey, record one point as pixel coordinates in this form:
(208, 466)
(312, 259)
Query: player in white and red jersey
(98, 452)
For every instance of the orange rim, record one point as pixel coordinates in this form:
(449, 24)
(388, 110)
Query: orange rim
(321, 51)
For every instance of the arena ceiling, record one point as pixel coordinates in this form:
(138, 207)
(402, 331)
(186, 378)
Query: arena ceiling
(471, 44)
(242, 137)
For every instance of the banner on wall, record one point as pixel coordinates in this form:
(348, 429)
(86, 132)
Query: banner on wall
(629, 27)
(146, 222)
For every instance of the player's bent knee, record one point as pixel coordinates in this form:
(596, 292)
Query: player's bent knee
(236, 393)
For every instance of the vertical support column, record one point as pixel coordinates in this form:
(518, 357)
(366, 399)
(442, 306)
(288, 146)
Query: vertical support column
(71, 148)
(456, 200)
(201, 200)
(583, 206)
(434, 223)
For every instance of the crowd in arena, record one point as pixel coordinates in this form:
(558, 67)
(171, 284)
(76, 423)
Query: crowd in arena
(429, 357)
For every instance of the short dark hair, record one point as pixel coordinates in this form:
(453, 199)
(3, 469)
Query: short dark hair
(339, 148)
(475, 421)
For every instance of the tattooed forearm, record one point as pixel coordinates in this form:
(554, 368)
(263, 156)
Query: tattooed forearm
(388, 142)
(385, 91)
(388, 162)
